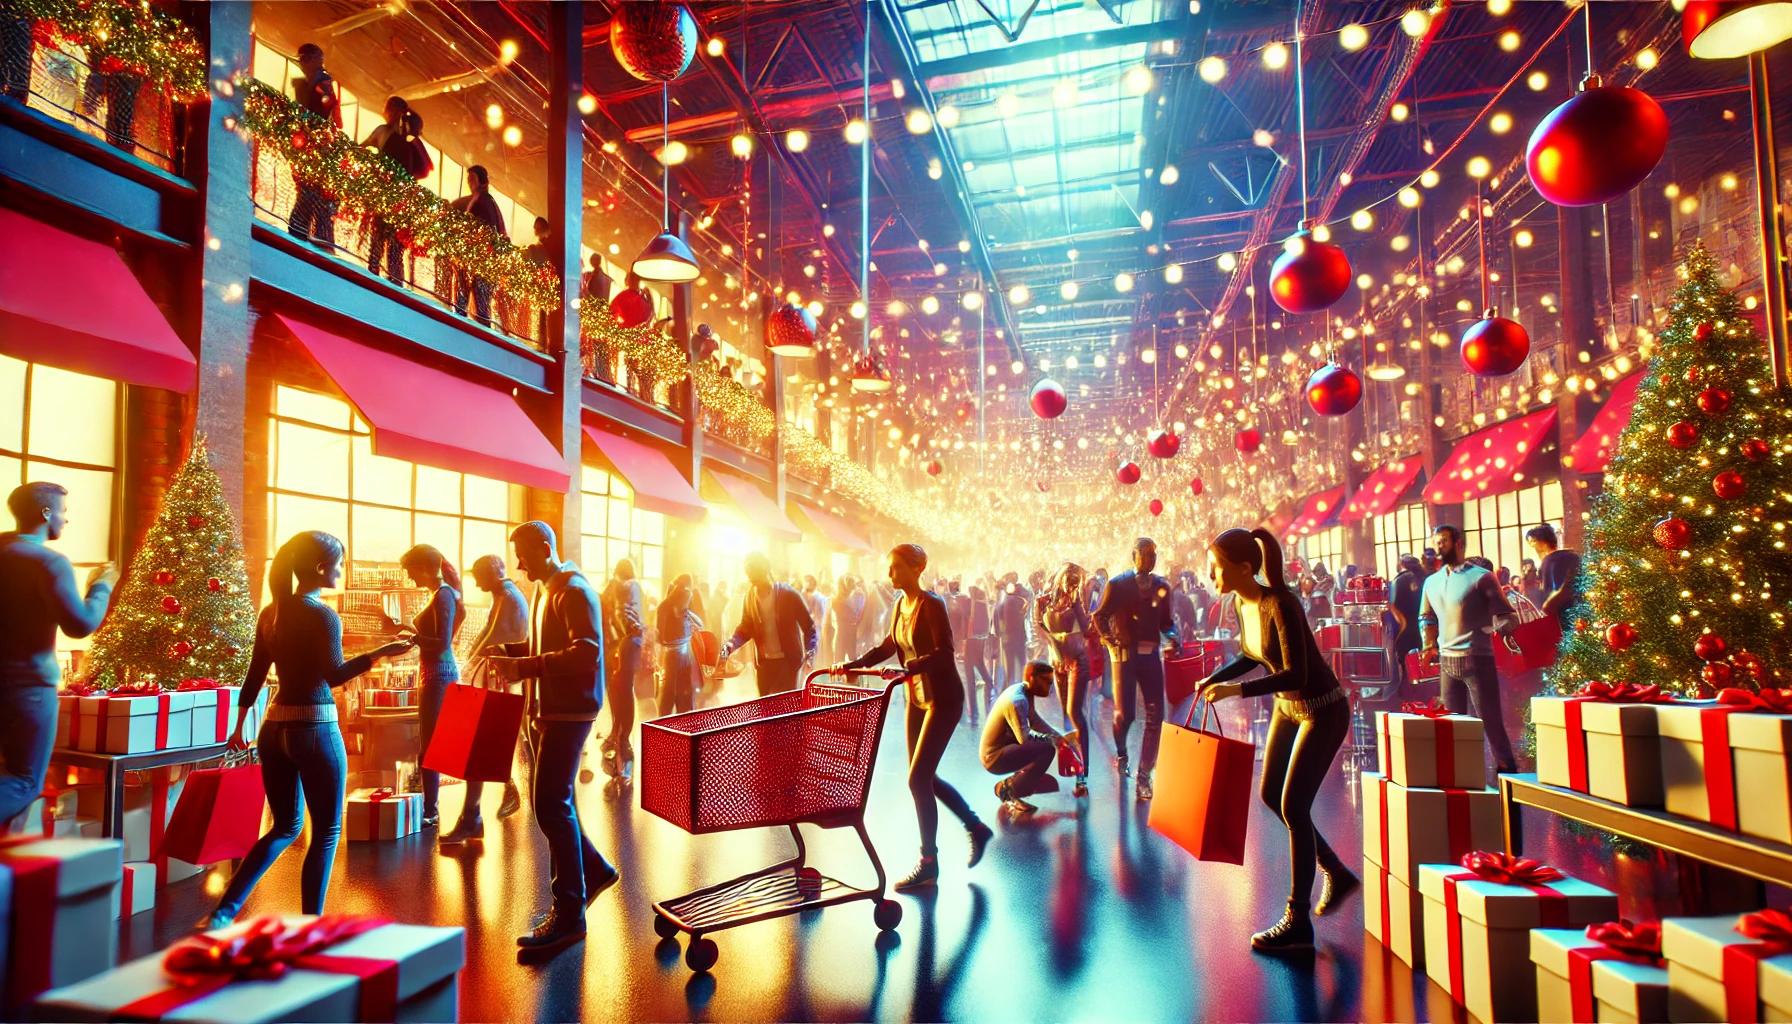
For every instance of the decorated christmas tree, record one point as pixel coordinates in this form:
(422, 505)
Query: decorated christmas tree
(184, 611)
(1688, 577)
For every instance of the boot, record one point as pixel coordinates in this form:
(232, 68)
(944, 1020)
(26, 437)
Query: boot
(926, 872)
(559, 930)
(1335, 886)
(1292, 934)
(513, 800)
(466, 831)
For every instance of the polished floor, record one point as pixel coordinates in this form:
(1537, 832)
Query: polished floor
(1078, 913)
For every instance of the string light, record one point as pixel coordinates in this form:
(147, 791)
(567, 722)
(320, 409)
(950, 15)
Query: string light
(1212, 70)
(918, 121)
(1353, 37)
(857, 131)
(1275, 56)
(946, 115)
(796, 140)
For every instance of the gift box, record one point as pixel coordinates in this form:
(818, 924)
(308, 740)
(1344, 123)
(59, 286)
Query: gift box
(1604, 746)
(68, 711)
(136, 890)
(1423, 745)
(40, 816)
(1404, 826)
(1478, 917)
(374, 814)
(214, 713)
(135, 723)
(337, 969)
(1706, 747)
(60, 928)
(147, 808)
(1717, 970)
(1393, 913)
(1584, 979)
(383, 698)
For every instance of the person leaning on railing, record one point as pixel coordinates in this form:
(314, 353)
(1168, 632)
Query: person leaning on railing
(479, 205)
(314, 212)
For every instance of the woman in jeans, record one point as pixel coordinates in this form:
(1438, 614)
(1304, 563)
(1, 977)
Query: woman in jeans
(434, 630)
(301, 747)
(1063, 619)
(677, 623)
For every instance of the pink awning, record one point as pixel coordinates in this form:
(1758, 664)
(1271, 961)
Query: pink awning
(1315, 511)
(659, 486)
(421, 414)
(1382, 490)
(1593, 451)
(756, 505)
(1491, 461)
(74, 304)
(836, 530)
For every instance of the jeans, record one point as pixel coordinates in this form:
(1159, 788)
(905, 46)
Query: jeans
(429, 709)
(479, 289)
(384, 247)
(1029, 761)
(557, 749)
(27, 732)
(1014, 660)
(1139, 673)
(678, 679)
(313, 215)
(296, 756)
(619, 693)
(1461, 677)
(1072, 675)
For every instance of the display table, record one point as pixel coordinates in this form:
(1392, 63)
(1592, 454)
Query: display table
(115, 765)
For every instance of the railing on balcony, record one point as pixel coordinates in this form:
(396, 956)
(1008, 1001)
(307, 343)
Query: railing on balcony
(611, 365)
(55, 78)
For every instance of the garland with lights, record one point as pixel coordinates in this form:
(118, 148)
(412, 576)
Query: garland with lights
(648, 351)
(366, 181)
(122, 37)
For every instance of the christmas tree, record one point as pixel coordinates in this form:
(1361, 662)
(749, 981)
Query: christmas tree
(1687, 578)
(184, 611)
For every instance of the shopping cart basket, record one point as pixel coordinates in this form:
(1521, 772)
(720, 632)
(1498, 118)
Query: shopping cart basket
(804, 756)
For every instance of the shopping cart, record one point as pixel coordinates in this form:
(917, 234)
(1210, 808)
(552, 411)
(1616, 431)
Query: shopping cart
(804, 756)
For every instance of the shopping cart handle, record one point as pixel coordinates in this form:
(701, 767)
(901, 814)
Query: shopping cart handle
(888, 675)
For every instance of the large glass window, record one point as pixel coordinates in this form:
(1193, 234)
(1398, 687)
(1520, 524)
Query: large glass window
(1494, 526)
(1325, 546)
(1402, 531)
(612, 528)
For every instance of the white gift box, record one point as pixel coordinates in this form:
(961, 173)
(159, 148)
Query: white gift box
(374, 814)
(1617, 990)
(1481, 952)
(214, 714)
(1702, 975)
(68, 710)
(1393, 913)
(1426, 826)
(1431, 753)
(427, 962)
(135, 724)
(1604, 748)
(1697, 785)
(136, 890)
(60, 926)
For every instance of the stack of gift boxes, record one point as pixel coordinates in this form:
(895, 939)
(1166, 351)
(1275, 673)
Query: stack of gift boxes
(144, 718)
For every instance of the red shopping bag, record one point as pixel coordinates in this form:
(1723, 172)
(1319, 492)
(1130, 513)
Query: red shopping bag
(1417, 670)
(706, 648)
(1536, 640)
(218, 816)
(1203, 783)
(1182, 672)
(1070, 761)
(475, 737)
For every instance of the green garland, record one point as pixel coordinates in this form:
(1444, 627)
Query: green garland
(121, 37)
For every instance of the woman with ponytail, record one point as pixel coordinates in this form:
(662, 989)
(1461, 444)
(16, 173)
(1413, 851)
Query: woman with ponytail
(1062, 617)
(1312, 717)
(301, 747)
(434, 630)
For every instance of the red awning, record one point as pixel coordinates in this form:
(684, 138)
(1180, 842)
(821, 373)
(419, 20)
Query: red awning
(1595, 448)
(74, 304)
(1382, 490)
(836, 530)
(1491, 461)
(659, 486)
(1315, 511)
(421, 414)
(756, 505)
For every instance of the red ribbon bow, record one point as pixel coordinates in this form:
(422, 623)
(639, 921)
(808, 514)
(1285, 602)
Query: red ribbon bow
(136, 690)
(199, 684)
(1509, 870)
(1773, 927)
(82, 690)
(1773, 702)
(1637, 940)
(1424, 709)
(1623, 693)
(265, 950)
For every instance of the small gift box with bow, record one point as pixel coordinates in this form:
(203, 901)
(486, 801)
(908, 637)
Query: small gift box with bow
(1605, 972)
(60, 921)
(375, 814)
(1424, 745)
(281, 969)
(1706, 747)
(1729, 968)
(135, 719)
(1602, 740)
(1478, 918)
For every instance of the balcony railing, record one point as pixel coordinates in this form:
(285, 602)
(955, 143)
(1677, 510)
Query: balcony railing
(54, 77)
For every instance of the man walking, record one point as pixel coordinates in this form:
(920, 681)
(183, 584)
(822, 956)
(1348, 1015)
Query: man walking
(1459, 606)
(775, 619)
(1134, 620)
(625, 633)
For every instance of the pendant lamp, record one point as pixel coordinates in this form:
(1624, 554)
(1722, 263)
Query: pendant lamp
(668, 258)
(869, 375)
(1715, 29)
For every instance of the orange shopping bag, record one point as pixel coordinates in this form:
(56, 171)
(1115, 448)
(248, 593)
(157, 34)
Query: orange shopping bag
(1203, 799)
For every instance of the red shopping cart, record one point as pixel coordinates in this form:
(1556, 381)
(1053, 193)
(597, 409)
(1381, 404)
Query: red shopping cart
(792, 758)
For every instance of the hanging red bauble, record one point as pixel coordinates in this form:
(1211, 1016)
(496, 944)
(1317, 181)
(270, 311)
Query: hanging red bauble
(1750, 664)
(934, 468)
(1042, 485)
(1597, 146)
(1717, 674)
(1702, 333)
(1683, 434)
(300, 142)
(1309, 275)
(1127, 473)
(1247, 440)
(195, 521)
(962, 411)
(790, 328)
(1620, 635)
(1729, 484)
(214, 584)
(632, 307)
(1162, 444)
(1048, 399)
(1754, 449)
(1715, 401)
(181, 649)
(1156, 507)
(1494, 346)
(163, 578)
(1195, 487)
(1334, 390)
(1673, 533)
(171, 604)
(1710, 647)
(653, 41)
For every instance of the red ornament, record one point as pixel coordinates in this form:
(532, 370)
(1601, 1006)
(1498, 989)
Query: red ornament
(1702, 333)
(171, 604)
(1683, 434)
(1334, 390)
(181, 649)
(1692, 375)
(1620, 635)
(1309, 275)
(791, 330)
(300, 142)
(1048, 399)
(1717, 674)
(654, 42)
(1750, 663)
(632, 308)
(1494, 346)
(1128, 473)
(1597, 146)
(1247, 440)
(1195, 487)
(1156, 507)
(214, 584)
(194, 522)
(1715, 401)
(163, 577)
(1673, 533)
(1162, 444)
(1754, 449)
(934, 468)
(1710, 647)
(1729, 484)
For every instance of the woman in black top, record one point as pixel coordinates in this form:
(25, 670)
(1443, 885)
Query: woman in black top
(1064, 619)
(434, 630)
(300, 745)
(1312, 717)
(921, 636)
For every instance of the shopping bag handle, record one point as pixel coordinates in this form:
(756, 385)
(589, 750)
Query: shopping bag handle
(1206, 707)
(238, 758)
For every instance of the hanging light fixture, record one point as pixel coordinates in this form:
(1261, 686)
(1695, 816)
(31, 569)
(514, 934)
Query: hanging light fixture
(667, 258)
(1714, 29)
(870, 376)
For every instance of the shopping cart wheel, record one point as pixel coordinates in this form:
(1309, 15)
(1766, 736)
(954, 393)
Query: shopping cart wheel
(887, 915)
(663, 927)
(701, 956)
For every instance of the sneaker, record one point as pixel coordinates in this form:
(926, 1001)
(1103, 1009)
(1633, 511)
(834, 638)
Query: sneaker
(1292, 934)
(599, 876)
(473, 831)
(1005, 789)
(557, 931)
(513, 801)
(1142, 790)
(981, 834)
(1019, 808)
(431, 821)
(926, 872)
(611, 765)
(1335, 886)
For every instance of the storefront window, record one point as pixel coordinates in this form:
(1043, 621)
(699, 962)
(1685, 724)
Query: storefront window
(1494, 526)
(1403, 531)
(1325, 546)
(612, 529)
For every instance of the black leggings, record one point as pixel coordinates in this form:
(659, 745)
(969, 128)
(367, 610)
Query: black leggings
(929, 730)
(1296, 757)
(1073, 691)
